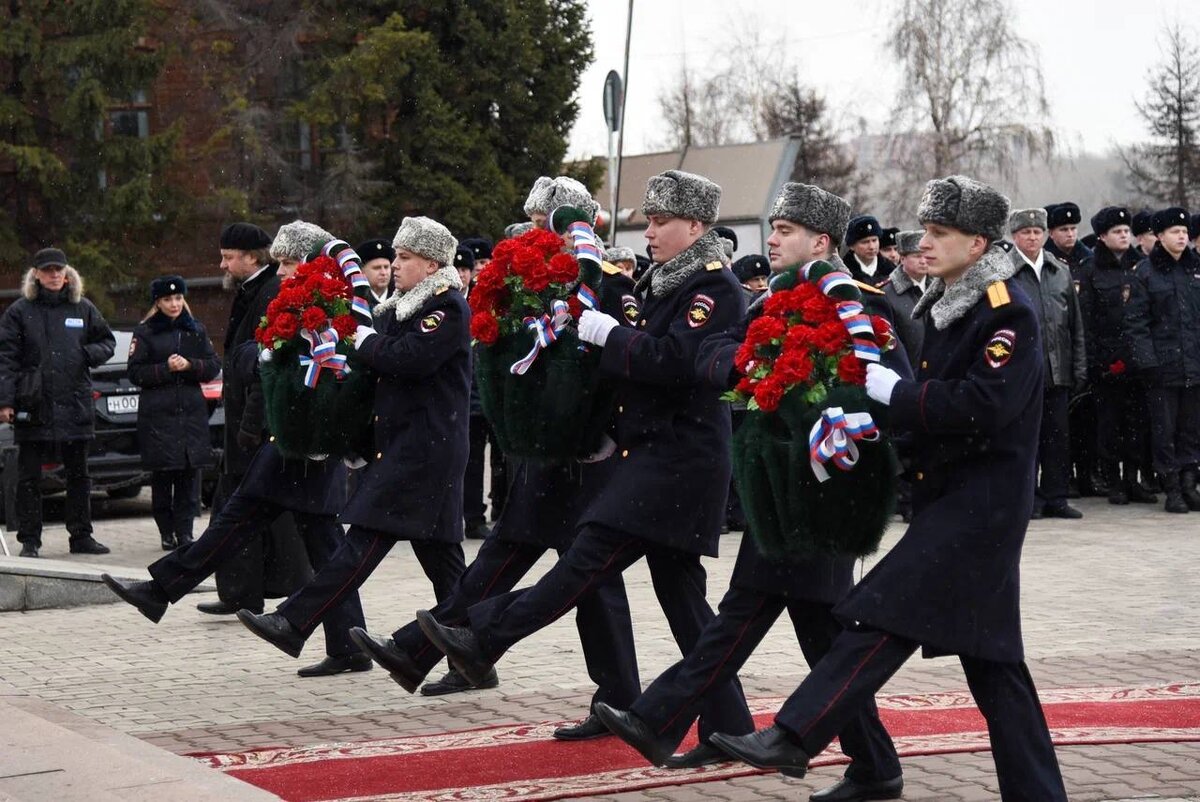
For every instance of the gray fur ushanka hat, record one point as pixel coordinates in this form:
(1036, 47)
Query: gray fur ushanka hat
(679, 194)
(550, 193)
(1027, 218)
(297, 240)
(812, 207)
(620, 254)
(426, 237)
(965, 204)
(909, 242)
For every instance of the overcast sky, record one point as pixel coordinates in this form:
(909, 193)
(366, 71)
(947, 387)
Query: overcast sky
(1095, 57)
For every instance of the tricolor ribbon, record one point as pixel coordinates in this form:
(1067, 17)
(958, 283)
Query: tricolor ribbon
(351, 265)
(586, 249)
(322, 347)
(545, 331)
(837, 285)
(834, 438)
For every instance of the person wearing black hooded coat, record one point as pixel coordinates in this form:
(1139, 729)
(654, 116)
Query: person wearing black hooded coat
(172, 422)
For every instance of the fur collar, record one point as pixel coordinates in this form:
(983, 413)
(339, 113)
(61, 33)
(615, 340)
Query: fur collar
(158, 322)
(74, 286)
(901, 280)
(946, 305)
(409, 303)
(1104, 259)
(1164, 261)
(670, 275)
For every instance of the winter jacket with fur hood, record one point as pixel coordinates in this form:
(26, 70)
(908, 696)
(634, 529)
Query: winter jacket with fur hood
(63, 335)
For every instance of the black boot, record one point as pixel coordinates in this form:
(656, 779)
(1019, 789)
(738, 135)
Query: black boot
(1191, 497)
(167, 540)
(1137, 491)
(1175, 501)
(1116, 489)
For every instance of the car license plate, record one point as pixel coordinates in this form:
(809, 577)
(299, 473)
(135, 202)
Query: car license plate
(122, 404)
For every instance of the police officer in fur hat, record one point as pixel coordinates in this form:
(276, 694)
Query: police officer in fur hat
(1106, 285)
(669, 433)
(1062, 223)
(420, 349)
(1144, 237)
(1163, 322)
(1048, 280)
(377, 256)
(548, 194)
(806, 224)
(888, 244)
(862, 251)
(951, 584)
(753, 270)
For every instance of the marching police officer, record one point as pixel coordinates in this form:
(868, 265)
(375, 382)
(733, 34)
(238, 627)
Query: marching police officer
(1163, 320)
(807, 223)
(669, 433)
(951, 585)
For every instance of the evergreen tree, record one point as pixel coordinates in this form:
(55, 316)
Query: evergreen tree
(75, 172)
(458, 107)
(1167, 169)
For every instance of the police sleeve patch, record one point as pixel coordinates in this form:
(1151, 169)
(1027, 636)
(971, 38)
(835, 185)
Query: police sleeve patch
(630, 308)
(700, 311)
(431, 321)
(1000, 348)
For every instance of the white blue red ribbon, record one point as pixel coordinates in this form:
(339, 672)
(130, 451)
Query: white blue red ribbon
(862, 333)
(545, 331)
(834, 438)
(323, 355)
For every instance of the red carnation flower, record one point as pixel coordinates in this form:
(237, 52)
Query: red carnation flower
(485, 328)
(745, 385)
(286, 326)
(575, 306)
(345, 325)
(831, 337)
(769, 392)
(563, 268)
(764, 329)
(313, 318)
(851, 370)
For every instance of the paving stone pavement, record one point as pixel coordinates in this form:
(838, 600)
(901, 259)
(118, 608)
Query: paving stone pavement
(1113, 599)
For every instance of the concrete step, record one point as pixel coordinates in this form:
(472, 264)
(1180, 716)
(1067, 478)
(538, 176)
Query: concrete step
(42, 584)
(47, 752)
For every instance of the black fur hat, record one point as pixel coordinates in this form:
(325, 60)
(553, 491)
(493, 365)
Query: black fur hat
(1110, 217)
(725, 232)
(481, 247)
(244, 237)
(1062, 214)
(751, 265)
(862, 227)
(887, 238)
(464, 258)
(1141, 223)
(163, 286)
(376, 249)
(1168, 218)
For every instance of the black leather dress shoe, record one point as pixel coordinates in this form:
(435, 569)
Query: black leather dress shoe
(219, 607)
(701, 755)
(460, 645)
(167, 542)
(337, 665)
(850, 790)
(635, 732)
(88, 545)
(275, 630)
(454, 682)
(394, 661)
(591, 727)
(28, 550)
(145, 596)
(1063, 510)
(764, 749)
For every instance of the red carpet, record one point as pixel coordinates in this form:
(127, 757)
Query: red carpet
(522, 762)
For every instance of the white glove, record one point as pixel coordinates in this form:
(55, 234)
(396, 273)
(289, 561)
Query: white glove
(594, 327)
(265, 355)
(606, 449)
(881, 382)
(354, 463)
(361, 334)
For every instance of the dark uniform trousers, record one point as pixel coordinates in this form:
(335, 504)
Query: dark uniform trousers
(1174, 427)
(597, 554)
(674, 700)
(243, 520)
(241, 576)
(474, 510)
(1121, 417)
(31, 456)
(175, 500)
(358, 555)
(862, 660)
(1054, 448)
(605, 632)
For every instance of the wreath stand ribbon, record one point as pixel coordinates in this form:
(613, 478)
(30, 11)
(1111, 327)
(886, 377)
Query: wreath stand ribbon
(834, 438)
(322, 346)
(545, 331)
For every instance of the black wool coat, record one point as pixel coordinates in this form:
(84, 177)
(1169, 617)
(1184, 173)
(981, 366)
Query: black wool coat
(317, 487)
(413, 487)
(242, 391)
(883, 269)
(900, 295)
(1105, 287)
(672, 433)
(952, 582)
(172, 414)
(63, 336)
(1163, 316)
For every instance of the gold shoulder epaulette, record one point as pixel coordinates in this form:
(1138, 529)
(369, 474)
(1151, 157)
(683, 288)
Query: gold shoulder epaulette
(610, 268)
(865, 287)
(714, 265)
(998, 294)
(441, 289)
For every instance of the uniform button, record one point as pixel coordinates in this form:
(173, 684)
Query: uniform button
(379, 455)
(924, 364)
(272, 438)
(377, 419)
(642, 323)
(920, 476)
(625, 453)
(620, 409)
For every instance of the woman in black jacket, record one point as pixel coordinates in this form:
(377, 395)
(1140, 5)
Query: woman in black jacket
(169, 358)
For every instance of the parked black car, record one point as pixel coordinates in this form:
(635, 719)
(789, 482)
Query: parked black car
(114, 458)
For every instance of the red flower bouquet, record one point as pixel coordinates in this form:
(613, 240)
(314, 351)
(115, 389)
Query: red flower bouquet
(538, 384)
(318, 398)
(813, 471)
